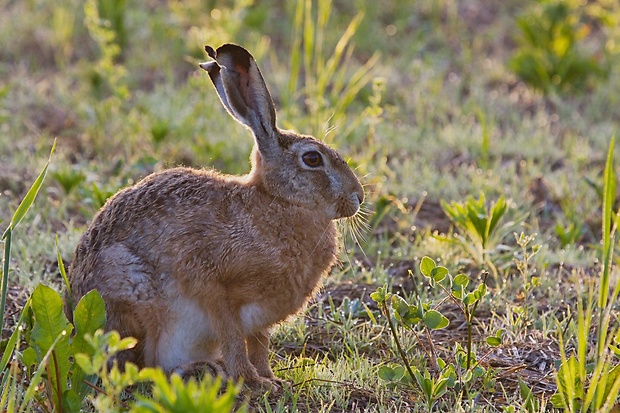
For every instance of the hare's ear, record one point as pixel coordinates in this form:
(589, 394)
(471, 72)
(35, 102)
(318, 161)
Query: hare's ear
(243, 91)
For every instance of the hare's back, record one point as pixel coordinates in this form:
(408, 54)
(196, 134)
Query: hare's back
(137, 236)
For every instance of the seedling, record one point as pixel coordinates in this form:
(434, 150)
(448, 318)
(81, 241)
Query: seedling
(423, 318)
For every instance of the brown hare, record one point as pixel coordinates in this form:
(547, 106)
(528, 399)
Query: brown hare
(198, 265)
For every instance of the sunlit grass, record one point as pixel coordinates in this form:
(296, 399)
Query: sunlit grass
(423, 107)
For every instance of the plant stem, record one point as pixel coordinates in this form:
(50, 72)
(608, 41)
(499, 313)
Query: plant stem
(428, 354)
(58, 382)
(5, 273)
(100, 390)
(401, 352)
(433, 354)
(469, 334)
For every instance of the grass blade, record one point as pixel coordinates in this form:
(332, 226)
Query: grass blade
(63, 273)
(28, 200)
(19, 214)
(609, 193)
(295, 61)
(8, 234)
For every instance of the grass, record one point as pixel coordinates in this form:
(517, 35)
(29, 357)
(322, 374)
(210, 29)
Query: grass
(441, 119)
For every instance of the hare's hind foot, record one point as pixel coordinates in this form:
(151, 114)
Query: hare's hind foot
(199, 369)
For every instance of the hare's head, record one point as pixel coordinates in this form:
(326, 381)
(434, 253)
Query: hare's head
(296, 168)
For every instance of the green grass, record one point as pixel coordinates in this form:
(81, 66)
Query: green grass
(440, 119)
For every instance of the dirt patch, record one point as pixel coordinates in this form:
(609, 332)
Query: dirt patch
(15, 300)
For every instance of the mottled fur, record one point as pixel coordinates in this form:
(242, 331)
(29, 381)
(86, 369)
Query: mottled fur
(198, 265)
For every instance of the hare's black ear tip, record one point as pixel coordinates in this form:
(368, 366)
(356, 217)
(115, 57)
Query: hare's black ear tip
(210, 67)
(211, 52)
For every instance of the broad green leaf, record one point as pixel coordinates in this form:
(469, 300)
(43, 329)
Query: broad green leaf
(493, 341)
(440, 387)
(458, 293)
(470, 298)
(29, 357)
(88, 317)
(380, 295)
(391, 373)
(51, 327)
(439, 273)
(468, 376)
(459, 284)
(496, 340)
(71, 401)
(125, 344)
(46, 360)
(404, 312)
(426, 266)
(406, 379)
(558, 401)
(461, 280)
(435, 320)
(399, 305)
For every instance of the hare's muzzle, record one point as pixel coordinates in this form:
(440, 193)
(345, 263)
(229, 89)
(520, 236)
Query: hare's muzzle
(348, 206)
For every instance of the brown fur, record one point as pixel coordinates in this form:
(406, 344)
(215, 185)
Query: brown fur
(194, 263)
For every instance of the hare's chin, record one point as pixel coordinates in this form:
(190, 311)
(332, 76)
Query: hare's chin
(346, 212)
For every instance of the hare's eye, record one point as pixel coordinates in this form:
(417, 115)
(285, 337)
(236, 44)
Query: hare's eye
(313, 159)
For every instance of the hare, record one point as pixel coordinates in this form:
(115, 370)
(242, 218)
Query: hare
(198, 265)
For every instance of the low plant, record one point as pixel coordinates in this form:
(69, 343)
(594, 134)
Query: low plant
(588, 380)
(481, 227)
(113, 14)
(107, 77)
(68, 177)
(329, 84)
(551, 55)
(421, 318)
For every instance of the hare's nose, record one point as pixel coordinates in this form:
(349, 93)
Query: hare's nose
(360, 198)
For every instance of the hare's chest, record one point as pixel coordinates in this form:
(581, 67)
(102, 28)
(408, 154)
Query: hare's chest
(254, 317)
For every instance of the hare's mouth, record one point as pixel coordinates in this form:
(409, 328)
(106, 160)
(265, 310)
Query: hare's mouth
(347, 207)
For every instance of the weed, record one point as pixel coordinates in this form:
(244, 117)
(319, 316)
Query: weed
(421, 318)
(69, 178)
(106, 76)
(112, 13)
(481, 227)
(587, 385)
(551, 55)
(328, 85)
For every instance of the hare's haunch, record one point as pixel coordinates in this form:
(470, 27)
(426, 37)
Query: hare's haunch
(198, 265)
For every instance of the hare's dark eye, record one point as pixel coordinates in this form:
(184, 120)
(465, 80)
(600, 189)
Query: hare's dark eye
(313, 159)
